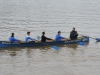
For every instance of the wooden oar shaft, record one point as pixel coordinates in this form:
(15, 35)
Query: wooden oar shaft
(89, 37)
(92, 38)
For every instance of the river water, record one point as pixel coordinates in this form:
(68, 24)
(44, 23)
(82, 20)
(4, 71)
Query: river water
(20, 16)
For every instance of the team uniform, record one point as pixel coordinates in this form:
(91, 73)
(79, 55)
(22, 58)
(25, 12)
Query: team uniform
(27, 38)
(13, 40)
(59, 38)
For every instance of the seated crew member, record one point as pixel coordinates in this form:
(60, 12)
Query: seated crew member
(45, 39)
(12, 39)
(27, 38)
(73, 34)
(59, 37)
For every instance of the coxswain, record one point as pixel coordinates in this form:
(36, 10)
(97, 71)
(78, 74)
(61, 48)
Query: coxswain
(73, 34)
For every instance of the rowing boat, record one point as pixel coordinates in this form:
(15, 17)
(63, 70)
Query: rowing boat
(6, 44)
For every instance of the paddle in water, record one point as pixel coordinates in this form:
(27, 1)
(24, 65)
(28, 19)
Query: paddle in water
(81, 43)
(97, 39)
(54, 47)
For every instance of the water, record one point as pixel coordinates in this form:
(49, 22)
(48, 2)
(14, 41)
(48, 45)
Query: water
(50, 16)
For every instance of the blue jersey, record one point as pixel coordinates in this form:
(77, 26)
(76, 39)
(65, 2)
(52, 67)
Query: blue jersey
(58, 37)
(12, 39)
(27, 38)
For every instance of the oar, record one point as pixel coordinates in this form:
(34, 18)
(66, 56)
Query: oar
(81, 43)
(97, 39)
(54, 47)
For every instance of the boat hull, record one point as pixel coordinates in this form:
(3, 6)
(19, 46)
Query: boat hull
(5, 44)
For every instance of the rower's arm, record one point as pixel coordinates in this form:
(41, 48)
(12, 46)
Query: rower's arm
(16, 39)
(31, 38)
(76, 33)
(62, 37)
(48, 38)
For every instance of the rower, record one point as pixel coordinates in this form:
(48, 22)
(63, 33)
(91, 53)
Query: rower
(59, 37)
(45, 39)
(73, 34)
(12, 39)
(27, 38)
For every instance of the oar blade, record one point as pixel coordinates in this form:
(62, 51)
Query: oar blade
(97, 39)
(55, 47)
(38, 37)
(81, 43)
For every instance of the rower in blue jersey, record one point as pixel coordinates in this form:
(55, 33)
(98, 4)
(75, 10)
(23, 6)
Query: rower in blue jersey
(27, 38)
(59, 37)
(12, 39)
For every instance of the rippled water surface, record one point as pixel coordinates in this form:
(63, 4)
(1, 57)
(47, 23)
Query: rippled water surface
(20, 16)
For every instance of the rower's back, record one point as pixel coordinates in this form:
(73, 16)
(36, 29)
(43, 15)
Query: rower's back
(12, 39)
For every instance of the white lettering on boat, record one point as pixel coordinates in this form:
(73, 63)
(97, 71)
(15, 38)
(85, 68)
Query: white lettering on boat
(9, 43)
(75, 41)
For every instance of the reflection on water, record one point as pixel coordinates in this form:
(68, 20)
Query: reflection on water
(37, 60)
(73, 46)
(43, 49)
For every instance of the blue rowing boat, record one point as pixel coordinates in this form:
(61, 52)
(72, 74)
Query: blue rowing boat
(7, 44)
